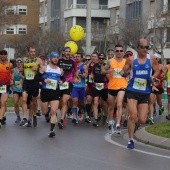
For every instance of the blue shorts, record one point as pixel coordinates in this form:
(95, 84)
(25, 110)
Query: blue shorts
(78, 93)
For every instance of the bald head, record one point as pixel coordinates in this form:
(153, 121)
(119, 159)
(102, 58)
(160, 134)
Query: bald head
(142, 41)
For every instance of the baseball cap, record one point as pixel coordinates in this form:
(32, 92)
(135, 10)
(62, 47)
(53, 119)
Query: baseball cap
(54, 54)
(42, 57)
(157, 55)
(128, 53)
(19, 60)
(3, 52)
(65, 48)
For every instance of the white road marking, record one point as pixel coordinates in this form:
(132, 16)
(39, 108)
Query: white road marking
(108, 139)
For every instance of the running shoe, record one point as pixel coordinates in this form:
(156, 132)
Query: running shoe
(168, 117)
(29, 124)
(71, 116)
(75, 121)
(3, 120)
(87, 120)
(38, 113)
(80, 117)
(18, 120)
(95, 124)
(24, 123)
(162, 110)
(34, 120)
(131, 144)
(118, 131)
(125, 123)
(51, 134)
(104, 120)
(150, 120)
(110, 129)
(60, 124)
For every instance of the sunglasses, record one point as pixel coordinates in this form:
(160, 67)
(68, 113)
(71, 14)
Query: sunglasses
(118, 51)
(88, 59)
(3, 54)
(101, 58)
(144, 47)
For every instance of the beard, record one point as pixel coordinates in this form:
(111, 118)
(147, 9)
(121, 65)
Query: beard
(54, 63)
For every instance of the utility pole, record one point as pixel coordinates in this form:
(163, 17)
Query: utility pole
(88, 27)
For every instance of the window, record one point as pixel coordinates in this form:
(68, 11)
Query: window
(117, 16)
(21, 29)
(22, 9)
(152, 8)
(10, 30)
(10, 10)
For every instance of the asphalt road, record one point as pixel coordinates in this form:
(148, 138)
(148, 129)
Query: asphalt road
(80, 147)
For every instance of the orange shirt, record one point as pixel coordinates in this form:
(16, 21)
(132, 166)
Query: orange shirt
(5, 75)
(116, 81)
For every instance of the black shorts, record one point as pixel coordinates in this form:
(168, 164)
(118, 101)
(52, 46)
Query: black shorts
(140, 97)
(160, 91)
(67, 91)
(114, 92)
(48, 95)
(100, 93)
(31, 88)
(19, 93)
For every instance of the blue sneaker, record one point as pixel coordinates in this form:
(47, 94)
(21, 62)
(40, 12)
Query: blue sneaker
(130, 144)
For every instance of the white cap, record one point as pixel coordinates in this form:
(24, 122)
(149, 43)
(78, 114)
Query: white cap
(157, 55)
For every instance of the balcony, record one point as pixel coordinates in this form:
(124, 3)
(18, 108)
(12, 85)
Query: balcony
(42, 19)
(79, 10)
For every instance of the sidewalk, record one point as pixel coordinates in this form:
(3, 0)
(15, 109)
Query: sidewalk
(150, 139)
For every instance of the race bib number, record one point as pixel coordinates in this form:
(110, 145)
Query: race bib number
(29, 75)
(64, 86)
(116, 73)
(52, 85)
(17, 83)
(99, 86)
(3, 89)
(140, 84)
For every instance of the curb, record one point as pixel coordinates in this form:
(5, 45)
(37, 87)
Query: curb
(142, 136)
(10, 109)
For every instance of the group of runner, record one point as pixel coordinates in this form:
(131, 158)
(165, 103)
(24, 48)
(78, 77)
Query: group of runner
(82, 89)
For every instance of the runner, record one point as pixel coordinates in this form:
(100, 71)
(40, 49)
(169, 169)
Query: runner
(6, 80)
(50, 77)
(31, 65)
(17, 90)
(78, 92)
(69, 67)
(116, 87)
(99, 89)
(139, 87)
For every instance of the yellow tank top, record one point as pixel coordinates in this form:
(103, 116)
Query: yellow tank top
(116, 81)
(28, 72)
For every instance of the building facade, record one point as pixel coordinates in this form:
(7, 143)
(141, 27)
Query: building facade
(28, 21)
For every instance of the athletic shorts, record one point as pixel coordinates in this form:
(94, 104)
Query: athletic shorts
(168, 91)
(19, 93)
(161, 90)
(140, 97)
(100, 93)
(89, 90)
(114, 92)
(31, 88)
(78, 93)
(48, 95)
(67, 91)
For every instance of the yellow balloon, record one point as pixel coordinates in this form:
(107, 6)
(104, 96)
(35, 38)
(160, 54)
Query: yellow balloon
(73, 46)
(76, 33)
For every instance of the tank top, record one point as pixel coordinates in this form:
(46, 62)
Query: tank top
(168, 76)
(16, 81)
(5, 74)
(116, 81)
(28, 72)
(139, 76)
(82, 82)
(54, 75)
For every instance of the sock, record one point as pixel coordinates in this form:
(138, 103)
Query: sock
(110, 122)
(74, 111)
(117, 125)
(88, 109)
(131, 139)
(25, 119)
(52, 126)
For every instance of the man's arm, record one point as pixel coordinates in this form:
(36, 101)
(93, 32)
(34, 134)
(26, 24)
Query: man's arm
(155, 67)
(127, 66)
(105, 70)
(12, 74)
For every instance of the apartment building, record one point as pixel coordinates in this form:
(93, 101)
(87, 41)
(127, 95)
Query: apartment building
(155, 12)
(28, 12)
